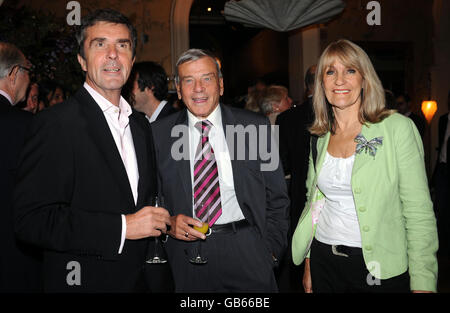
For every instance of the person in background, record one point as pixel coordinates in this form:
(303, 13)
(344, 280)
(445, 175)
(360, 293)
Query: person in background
(150, 90)
(294, 152)
(20, 263)
(403, 106)
(254, 94)
(368, 224)
(390, 99)
(32, 98)
(441, 182)
(275, 100)
(50, 93)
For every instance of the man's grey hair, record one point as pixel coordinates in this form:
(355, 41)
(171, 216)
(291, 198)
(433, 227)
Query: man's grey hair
(271, 95)
(10, 56)
(194, 55)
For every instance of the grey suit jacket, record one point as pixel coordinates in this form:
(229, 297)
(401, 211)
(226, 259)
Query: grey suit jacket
(262, 195)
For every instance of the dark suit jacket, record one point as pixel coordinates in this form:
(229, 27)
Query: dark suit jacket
(167, 110)
(261, 195)
(72, 189)
(294, 153)
(420, 123)
(442, 127)
(20, 263)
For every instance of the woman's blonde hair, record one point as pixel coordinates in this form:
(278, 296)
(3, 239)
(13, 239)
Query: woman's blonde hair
(372, 108)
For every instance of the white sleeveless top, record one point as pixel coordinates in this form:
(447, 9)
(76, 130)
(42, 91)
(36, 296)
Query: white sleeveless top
(338, 223)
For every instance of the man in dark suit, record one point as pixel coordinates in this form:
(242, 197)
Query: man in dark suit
(150, 90)
(217, 178)
(86, 176)
(20, 263)
(441, 182)
(403, 105)
(294, 153)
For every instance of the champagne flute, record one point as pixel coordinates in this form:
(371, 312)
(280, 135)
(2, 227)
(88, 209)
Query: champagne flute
(157, 259)
(199, 259)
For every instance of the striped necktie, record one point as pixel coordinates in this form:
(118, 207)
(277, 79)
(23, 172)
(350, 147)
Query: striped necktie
(206, 178)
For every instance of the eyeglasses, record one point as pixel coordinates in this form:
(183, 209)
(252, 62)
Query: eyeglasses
(24, 68)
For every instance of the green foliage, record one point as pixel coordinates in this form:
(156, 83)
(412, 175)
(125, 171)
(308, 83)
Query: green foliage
(47, 41)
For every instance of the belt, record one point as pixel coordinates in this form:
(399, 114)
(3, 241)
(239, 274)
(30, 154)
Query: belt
(341, 250)
(345, 250)
(232, 227)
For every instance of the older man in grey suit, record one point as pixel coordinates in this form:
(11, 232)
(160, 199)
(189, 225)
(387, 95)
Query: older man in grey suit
(205, 175)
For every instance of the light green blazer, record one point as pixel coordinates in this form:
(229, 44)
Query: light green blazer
(392, 200)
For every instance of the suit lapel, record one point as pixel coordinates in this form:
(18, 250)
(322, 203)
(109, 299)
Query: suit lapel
(141, 154)
(183, 167)
(238, 166)
(101, 134)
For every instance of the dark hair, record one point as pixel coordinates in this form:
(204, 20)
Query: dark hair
(390, 99)
(310, 76)
(104, 15)
(153, 76)
(255, 81)
(48, 87)
(405, 96)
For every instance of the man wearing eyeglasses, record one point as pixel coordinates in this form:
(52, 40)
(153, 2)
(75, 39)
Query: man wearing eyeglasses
(19, 263)
(14, 74)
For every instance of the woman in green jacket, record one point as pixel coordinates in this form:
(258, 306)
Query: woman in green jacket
(368, 224)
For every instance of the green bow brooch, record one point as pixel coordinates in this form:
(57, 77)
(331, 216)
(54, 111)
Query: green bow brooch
(368, 146)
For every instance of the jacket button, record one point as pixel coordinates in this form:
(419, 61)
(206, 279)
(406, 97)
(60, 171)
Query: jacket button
(368, 248)
(357, 190)
(362, 209)
(366, 228)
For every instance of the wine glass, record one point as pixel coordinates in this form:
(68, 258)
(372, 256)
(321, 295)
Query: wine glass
(157, 259)
(199, 259)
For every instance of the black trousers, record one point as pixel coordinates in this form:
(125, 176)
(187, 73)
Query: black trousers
(237, 262)
(442, 206)
(332, 273)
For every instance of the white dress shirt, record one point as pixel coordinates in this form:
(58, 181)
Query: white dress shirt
(158, 110)
(231, 211)
(338, 222)
(123, 139)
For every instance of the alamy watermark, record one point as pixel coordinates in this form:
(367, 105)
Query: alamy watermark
(374, 272)
(74, 16)
(374, 16)
(249, 143)
(73, 278)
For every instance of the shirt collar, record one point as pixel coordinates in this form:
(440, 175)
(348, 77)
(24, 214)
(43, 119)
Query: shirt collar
(157, 111)
(6, 95)
(104, 104)
(215, 117)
